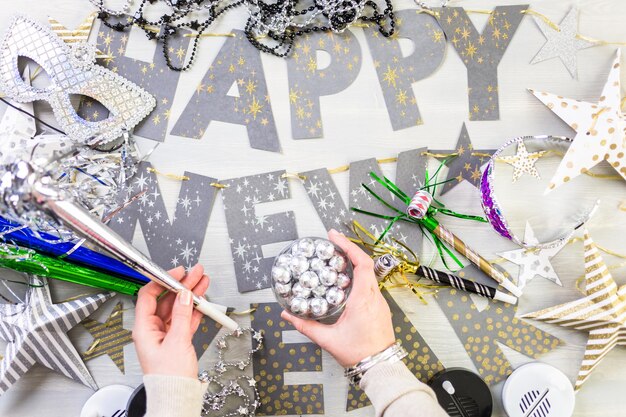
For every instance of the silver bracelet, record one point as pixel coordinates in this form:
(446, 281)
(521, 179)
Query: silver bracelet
(392, 354)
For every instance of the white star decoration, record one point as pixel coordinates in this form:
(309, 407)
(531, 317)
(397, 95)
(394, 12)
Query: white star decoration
(600, 129)
(533, 262)
(562, 43)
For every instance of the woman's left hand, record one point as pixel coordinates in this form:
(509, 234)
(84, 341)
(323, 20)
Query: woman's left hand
(164, 327)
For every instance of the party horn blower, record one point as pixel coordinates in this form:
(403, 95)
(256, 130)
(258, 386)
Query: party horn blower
(387, 264)
(24, 186)
(463, 284)
(73, 252)
(421, 209)
(30, 262)
(448, 237)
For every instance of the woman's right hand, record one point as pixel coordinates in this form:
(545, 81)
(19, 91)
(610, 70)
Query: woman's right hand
(365, 327)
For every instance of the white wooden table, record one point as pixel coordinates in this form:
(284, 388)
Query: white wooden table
(356, 126)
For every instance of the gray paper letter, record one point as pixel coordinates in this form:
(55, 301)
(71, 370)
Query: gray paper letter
(249, 232)
(307, 83)
(170, 242)
(396, 74)
(481, 53)
(334, 213)
(233, 90)
(276, 359)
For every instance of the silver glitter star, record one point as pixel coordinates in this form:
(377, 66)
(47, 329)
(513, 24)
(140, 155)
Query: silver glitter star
(562, 43)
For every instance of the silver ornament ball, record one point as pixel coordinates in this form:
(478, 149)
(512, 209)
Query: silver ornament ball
(338, 263)
(299, 305)
(324, 249)
(309, 279)
(284, 290)
(316, 264)
(283, 260)
(298, 264)
(281, 274)
(306, 247)
(328, 276)
(335, 296)
(299, 291)
(318, 306)
(343, 281)
(320, 290)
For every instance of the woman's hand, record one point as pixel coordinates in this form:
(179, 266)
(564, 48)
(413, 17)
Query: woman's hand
(164, 327)
(365, 327)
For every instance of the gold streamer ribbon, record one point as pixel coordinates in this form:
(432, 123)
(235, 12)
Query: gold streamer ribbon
(542, 17)
(397, 277)
(168, 175)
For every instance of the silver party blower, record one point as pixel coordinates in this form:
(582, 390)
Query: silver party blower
(41, 191)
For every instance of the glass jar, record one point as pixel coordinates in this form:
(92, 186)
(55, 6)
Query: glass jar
(312, 278)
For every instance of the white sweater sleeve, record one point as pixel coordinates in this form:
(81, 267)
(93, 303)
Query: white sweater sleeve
(395, 392)
(392, 388)
(173, 396)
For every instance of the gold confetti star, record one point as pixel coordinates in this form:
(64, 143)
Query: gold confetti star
(470, 50)
(390, 76)
(437, 36)
(156, 119)
(200, 88)
(465, 34)
(164, 101)
(300, 113)
(210, 88)
(312, 65)
(250, 87)
(255, 107)
(241, 61)
(264, 121)
(476, 174)
(401, 97)
(293, 96)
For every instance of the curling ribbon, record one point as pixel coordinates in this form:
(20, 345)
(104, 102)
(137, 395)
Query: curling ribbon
(419, 205)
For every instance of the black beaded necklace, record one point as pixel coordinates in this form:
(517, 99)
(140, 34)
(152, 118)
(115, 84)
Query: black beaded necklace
(262, 15)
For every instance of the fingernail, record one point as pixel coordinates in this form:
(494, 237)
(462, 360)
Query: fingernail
(333, 232)
(184, 297)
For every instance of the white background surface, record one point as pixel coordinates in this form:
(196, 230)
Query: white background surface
(356, 126)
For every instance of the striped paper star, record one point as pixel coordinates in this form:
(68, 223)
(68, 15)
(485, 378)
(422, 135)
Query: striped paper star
(602, 312)
(80, 34)
(37, 333)
(110, 337)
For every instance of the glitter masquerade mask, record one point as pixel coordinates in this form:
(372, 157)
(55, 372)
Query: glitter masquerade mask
(491, 206)
(72, 71)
